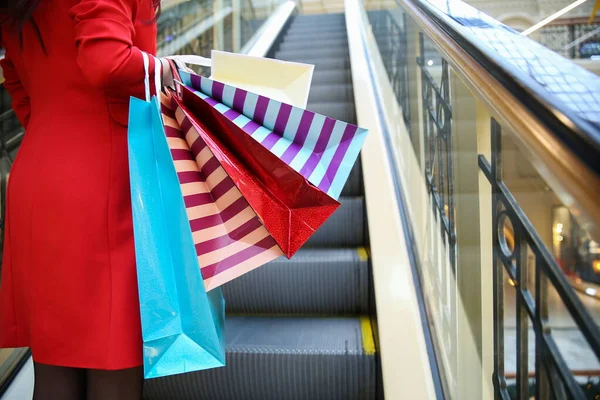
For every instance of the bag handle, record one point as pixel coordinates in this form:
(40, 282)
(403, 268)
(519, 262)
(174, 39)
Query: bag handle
(174, 70)
(157, 76)
(175, 74)
(182, 60)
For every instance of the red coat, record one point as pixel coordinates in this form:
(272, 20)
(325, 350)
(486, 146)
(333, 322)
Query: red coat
(69, 288)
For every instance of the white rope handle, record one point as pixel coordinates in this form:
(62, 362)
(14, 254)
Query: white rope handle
(157, 76)
(192, 60)
(146, 75)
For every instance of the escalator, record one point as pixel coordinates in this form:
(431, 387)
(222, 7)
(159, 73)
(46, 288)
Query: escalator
(300, 329)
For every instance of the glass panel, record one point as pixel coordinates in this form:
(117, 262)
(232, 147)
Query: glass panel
(476, 198)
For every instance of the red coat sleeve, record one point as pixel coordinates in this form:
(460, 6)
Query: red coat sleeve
(12, 83)
(104, 31)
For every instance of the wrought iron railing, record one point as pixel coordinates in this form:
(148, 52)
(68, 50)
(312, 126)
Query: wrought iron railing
(391, 39)
(573, 38)
(552, 374)
(437, 117)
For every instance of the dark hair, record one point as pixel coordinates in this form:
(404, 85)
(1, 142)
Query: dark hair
(20, 12)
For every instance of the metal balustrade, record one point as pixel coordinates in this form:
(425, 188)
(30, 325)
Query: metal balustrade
(552, 374)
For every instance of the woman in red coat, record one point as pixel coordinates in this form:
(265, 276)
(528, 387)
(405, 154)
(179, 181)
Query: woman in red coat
(68, 288)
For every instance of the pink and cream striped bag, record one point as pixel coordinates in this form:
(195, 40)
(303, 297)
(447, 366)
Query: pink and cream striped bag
(229, 237)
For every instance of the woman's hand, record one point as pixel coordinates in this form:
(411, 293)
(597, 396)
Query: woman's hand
(167, 73)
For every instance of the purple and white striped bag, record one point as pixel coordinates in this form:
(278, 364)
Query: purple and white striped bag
(321, 149)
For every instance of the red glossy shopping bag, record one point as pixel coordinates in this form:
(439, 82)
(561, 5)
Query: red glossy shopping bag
(289, 207)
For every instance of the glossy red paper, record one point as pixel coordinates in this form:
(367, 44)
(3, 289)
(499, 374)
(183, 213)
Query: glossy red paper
(290, 207)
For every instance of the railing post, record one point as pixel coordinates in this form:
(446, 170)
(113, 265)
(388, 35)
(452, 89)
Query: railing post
(415, 90)
(497, 266)
(237, 25)
(218, 31)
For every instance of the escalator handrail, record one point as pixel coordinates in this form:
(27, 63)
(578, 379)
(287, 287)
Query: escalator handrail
(12, 367)
(561, 144)
(466, 27)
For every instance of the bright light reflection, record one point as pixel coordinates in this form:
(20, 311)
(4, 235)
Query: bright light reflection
(551, 18)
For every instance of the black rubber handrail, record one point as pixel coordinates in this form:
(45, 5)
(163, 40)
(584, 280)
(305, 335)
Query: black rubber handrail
(578, 133)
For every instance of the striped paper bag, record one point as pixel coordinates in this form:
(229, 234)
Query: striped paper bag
(321, 149)
(229, 237)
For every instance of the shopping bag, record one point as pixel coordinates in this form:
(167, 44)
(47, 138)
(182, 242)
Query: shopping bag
(251, 197)
(289, 207)
(182, 324)
(321, 149)
(229, 238)
(284, 81)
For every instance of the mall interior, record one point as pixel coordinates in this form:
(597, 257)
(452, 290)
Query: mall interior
(464, 262)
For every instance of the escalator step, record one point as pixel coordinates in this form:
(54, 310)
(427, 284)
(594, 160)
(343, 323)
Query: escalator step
(323, 29)
(354, 185)
(331, 93)
(283, 358)
(314, 53)
(345, 228)
(339, 23)
(319, 19)
(300, 358)
(302, 45)
(342, 63)
(315, 37)
(343, 111)
(325, 24)
(317, 281)
(331, 76)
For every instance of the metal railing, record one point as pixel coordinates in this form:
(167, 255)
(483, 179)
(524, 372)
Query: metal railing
(490, 259)
(552, 373)
(573, 38)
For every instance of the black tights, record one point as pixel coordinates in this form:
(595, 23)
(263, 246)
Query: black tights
(61, 383)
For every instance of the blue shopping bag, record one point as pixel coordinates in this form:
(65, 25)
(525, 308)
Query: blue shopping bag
(182, 324)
